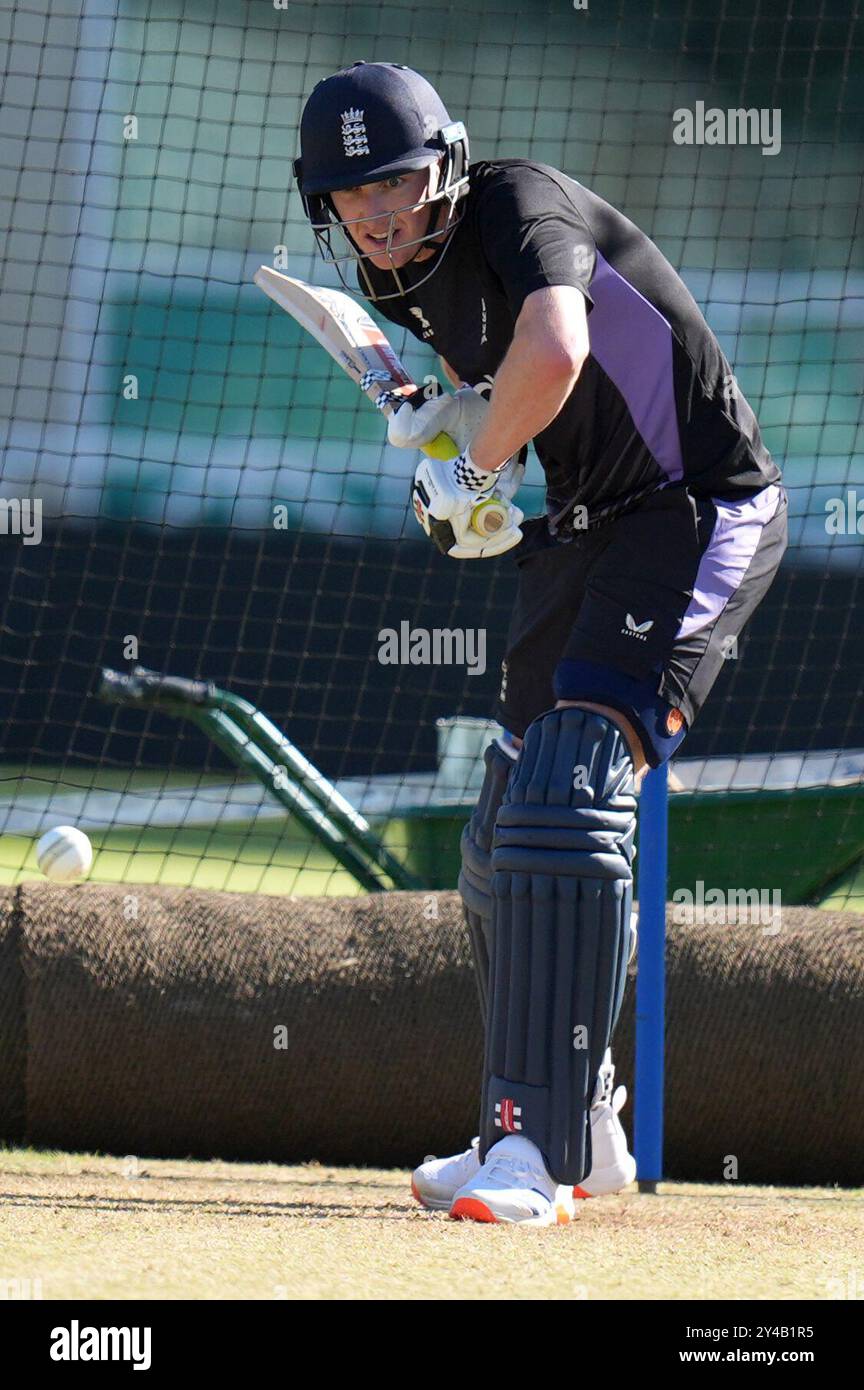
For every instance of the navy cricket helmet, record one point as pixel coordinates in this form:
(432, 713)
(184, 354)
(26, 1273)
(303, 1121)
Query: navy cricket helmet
(364, 124)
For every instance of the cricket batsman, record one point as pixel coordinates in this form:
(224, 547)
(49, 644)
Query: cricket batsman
(560, 323)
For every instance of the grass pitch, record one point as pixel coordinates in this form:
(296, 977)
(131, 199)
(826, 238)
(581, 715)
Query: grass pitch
(94, 1227)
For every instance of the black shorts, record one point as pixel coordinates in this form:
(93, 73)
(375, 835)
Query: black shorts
(659, 595)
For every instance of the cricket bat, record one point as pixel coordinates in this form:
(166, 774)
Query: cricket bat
(354, 340)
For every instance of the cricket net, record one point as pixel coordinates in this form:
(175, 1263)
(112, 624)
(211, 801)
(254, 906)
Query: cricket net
(189, 486)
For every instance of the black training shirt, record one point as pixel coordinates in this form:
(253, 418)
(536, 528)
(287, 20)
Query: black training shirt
(656, 402)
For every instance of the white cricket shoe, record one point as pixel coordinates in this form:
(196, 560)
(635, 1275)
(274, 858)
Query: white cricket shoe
(612, 1165)
(514, 1187)
(436, 1180)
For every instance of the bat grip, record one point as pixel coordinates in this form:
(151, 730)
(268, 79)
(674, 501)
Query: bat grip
(441, 447)
(490, 514)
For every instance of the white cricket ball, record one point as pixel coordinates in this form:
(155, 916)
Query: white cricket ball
(64, 853)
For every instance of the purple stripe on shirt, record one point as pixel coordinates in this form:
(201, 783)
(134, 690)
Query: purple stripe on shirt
(632, 341)
(727, 557)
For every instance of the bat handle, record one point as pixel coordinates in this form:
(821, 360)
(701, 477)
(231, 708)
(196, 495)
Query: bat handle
(490, 514)
(441, 447)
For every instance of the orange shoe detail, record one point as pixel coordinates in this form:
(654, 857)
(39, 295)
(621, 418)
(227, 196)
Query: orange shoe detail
(580, 1192)
(562, 1216)
(470, 1209)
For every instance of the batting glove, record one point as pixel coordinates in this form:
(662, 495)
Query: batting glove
(458, 414)
(462, 509)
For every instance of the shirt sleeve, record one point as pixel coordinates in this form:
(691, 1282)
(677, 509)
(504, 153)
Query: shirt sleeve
(533, 236)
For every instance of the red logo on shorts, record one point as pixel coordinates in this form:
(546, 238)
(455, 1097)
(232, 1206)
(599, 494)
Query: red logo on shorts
(674, 721)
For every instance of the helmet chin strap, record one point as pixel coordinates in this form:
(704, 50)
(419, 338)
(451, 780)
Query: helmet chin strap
(434, 210)
(422, 244)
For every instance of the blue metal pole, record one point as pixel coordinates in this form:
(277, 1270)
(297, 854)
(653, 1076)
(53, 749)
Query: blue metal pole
(652, 865)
